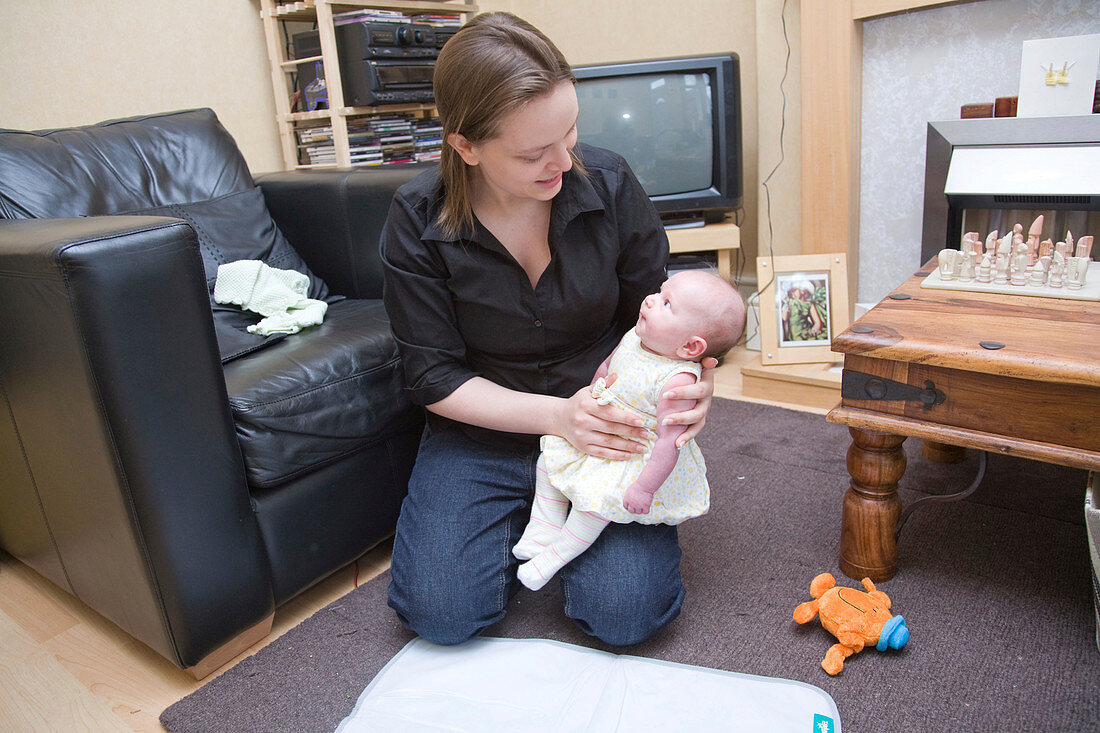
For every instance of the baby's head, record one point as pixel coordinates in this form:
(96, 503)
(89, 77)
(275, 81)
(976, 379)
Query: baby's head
(696, 314)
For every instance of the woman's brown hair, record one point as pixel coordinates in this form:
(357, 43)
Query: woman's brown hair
(495, 64)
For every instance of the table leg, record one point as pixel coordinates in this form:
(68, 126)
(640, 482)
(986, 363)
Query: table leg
(868, 544)
(943, 452)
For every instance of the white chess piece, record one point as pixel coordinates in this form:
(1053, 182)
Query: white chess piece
(985, 269)
(1077, 269)
(991, 242)
(1001, 266)
(1057, 269)
(1033, 235)
(1084, 247)
(1039, 271)
(966, 266)
(1019, 265)
(948, 263)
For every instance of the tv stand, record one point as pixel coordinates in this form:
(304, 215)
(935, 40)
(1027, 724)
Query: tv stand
(683, 221)
(720, 237)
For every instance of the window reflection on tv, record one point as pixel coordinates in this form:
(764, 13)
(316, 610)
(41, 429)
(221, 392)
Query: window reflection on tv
(661, 124)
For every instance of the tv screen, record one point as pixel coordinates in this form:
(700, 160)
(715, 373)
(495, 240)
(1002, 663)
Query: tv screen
(676, 121)
(661, 124)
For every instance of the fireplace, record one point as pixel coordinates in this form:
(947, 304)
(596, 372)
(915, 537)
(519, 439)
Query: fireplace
(988, 174)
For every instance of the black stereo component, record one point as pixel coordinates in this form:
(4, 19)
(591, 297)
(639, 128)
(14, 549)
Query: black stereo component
(444, 33)
(367, 40)
(380, 63)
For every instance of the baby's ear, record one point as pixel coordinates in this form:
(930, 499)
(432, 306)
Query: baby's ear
(695, 347)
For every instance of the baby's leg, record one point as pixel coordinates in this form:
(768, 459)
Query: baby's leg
(580, 531)
(547, 516)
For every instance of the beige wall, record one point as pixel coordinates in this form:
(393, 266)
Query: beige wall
(75, 62)
(70, 62)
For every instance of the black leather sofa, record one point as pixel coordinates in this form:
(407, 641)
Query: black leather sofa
(178, 474)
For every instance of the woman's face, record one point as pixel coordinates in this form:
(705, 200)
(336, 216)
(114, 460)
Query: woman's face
(530, 153)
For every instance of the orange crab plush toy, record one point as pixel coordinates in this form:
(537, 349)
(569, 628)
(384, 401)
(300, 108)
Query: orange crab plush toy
(855, 618)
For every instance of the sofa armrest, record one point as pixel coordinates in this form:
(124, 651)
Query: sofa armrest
(127, 486)
(334, 218)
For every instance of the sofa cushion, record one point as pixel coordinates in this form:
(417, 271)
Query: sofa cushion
(237, 226)
(179, 164)
(318, 395)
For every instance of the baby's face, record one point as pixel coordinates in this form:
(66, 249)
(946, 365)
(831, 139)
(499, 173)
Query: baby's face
(670, 318)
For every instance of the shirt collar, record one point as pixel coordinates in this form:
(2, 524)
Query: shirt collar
(577, 196)
(433, 232)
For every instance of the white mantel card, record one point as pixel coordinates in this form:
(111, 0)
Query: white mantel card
(1058, 76)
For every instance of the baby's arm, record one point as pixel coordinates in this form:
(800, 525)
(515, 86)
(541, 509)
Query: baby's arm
(661, 461)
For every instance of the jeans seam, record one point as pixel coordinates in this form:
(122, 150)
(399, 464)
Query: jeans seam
(529, 481)
(502, 593)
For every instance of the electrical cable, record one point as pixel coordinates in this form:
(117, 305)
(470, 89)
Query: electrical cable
(782, 156)
(983, 457)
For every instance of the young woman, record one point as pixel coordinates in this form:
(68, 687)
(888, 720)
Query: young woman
(512, 272)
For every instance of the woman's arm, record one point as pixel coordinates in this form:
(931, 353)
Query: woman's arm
(639, 495)
(694, 400)
(599, 430)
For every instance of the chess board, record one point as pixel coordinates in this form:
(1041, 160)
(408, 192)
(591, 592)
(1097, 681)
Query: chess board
(1090, 290)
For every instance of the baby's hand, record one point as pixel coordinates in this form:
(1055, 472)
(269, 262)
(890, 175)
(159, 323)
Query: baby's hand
(637, 501)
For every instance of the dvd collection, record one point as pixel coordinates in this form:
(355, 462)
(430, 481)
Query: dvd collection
(377, 140)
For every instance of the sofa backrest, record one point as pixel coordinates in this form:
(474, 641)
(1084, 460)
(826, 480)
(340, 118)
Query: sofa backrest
(184, 165)
(118, 167)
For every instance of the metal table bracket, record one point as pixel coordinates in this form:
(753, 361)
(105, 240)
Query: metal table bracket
(860, 386)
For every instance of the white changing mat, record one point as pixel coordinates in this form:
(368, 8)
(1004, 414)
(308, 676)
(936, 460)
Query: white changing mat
(538, 685)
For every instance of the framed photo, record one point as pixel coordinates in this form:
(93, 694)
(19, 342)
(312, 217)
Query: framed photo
(803, 304)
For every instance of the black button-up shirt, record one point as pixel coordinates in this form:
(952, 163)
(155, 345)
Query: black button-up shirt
(462, 306)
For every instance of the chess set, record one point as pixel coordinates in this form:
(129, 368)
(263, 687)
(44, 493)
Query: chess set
(1013, 265)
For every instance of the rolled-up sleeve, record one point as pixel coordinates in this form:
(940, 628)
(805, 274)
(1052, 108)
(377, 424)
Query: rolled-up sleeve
(420, 308)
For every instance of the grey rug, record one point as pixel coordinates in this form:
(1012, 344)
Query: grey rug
(995, 590)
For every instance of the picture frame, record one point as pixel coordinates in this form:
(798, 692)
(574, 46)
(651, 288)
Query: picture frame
(803, 305)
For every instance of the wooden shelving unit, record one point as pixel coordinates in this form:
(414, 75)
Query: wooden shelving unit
(721, 238)
(273, 14)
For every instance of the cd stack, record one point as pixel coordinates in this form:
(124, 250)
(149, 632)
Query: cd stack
(362, 16)
(428, 139)
(438, 19)
(376, 140)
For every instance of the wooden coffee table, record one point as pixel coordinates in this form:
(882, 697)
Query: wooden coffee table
(1009, 374)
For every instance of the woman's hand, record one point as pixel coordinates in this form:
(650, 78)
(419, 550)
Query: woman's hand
(702, 392)
(599, 430)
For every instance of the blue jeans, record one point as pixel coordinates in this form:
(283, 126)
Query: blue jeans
(453, 570)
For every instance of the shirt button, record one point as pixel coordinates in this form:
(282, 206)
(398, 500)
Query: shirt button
(538, 323)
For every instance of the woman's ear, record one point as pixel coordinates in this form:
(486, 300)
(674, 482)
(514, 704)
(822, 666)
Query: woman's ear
(463, 147)
(695, 347)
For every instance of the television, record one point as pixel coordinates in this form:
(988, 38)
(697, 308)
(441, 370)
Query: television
(677, 121)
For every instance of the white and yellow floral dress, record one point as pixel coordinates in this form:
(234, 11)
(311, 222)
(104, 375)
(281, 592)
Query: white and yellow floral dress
(597, 484)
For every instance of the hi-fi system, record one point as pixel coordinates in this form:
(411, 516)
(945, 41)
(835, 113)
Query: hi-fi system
(380, 62)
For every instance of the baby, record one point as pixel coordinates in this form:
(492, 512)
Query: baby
(696, 314)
